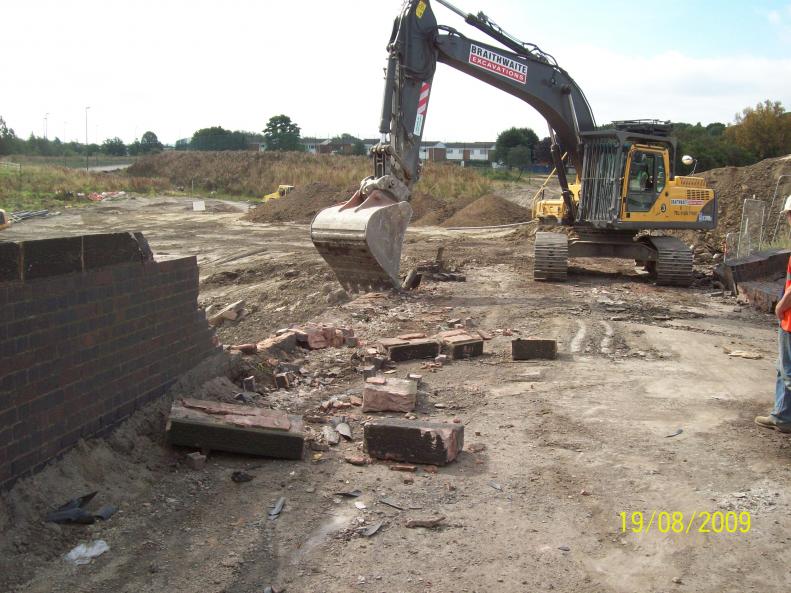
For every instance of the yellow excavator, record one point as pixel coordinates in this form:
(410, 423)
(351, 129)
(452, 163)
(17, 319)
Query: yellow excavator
(624, 175)
(282, 191)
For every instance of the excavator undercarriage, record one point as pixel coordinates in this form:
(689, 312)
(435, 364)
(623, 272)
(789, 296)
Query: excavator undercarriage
(667, 259)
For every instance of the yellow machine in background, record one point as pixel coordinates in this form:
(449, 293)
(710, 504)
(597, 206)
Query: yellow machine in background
(282, 190)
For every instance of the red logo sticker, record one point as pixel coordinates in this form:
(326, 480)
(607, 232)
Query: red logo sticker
(499, 64)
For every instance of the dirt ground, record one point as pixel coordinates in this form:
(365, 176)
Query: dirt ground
(554, 450)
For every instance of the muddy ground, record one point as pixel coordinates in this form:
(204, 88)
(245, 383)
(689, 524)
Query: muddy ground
(555, 450)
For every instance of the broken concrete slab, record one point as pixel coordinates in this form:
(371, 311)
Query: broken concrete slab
(462, 346)
(237, 429)
(278, 344)
(231, 313)
(395, 395)
(432, 443)
(533, 348)
(400, 350)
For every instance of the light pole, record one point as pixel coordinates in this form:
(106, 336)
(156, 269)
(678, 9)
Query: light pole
(86, 137)
(46, 115)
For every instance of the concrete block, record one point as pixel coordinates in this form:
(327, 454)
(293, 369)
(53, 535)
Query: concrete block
(276, 345)
(533, 348)
(195, 460)
(462, 346)
(413, 349)
(413, 442)
(236, 429)
(396, 395)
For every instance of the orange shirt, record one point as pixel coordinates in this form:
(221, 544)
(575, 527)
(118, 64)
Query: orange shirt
(786, 322)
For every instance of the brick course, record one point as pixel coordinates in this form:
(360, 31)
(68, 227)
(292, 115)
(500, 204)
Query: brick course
(80, 351)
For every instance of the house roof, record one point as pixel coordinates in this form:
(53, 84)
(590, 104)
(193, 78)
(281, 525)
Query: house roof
(470, 144)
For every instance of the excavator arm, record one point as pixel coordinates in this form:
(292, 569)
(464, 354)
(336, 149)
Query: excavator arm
(361, 239)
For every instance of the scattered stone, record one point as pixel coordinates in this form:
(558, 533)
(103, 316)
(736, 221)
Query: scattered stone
(344, 430)
(330, 435)
(195, 460)
(413, 442)
(564, 548)
(409, 479)
(395, 395)
(532, 348)
(413, 336)
(241, 477)
(402, 467)
(231, 312)
(377, 380)
(244, 348)
(248, 383)
(433, 522)
(356, 459)
(441, 359)
(272, 347)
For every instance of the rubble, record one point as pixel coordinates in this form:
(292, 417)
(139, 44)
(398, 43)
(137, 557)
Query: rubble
(195, 460)
(236, 429)
(389, 395)
(533, 348)
(399, 350)
(431, 443)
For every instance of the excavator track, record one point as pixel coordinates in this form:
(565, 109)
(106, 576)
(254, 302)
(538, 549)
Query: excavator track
(673, 266)
(551, 252)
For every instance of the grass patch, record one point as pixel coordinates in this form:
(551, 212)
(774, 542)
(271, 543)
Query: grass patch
(252, 175)
(49, 187)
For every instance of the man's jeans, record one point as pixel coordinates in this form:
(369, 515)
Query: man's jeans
(782, 409)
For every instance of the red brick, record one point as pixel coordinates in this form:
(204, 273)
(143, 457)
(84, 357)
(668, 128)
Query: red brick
(431, 443)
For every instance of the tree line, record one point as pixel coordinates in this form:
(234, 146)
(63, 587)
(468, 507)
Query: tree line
(758, 133)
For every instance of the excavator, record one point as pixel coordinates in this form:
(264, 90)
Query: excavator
(624, 184)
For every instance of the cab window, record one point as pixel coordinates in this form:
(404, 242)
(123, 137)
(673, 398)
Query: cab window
(646, 181)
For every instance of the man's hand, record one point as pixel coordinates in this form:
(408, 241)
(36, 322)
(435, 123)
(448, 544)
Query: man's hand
(779, 312)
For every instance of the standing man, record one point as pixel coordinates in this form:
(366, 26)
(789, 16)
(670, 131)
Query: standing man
(780, 417)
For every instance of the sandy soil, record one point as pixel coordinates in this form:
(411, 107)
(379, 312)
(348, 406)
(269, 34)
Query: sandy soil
(554, 450)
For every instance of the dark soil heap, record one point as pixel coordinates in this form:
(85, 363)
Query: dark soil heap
(301, 204)
(489, 210)
(732, 185)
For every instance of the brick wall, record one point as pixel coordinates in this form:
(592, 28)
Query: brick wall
(79, 351)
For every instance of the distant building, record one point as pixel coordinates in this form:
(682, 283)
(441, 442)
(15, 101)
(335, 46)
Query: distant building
(429, 151)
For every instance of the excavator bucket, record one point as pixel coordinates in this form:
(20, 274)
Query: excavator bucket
(361, 240)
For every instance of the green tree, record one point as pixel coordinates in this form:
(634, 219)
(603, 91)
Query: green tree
(764, 130)
(218, 138)
(282, 134)
(114, 146)
(8, 139)
(519, 157)
(510, 139)
(150, 143)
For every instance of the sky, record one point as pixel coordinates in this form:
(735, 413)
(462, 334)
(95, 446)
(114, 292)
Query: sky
(173, 66)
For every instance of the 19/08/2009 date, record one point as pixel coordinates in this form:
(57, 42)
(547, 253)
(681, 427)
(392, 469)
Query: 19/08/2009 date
(678, 522)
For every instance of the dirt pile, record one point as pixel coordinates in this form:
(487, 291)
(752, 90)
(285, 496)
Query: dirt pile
(735, 184)
(301, 204)
(488, 211)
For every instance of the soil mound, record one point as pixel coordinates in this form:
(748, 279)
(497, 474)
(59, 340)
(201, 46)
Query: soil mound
(732, 186)
(489, 210)
(301, 204)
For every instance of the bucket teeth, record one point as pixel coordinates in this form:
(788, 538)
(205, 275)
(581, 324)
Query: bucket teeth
(361, 240)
